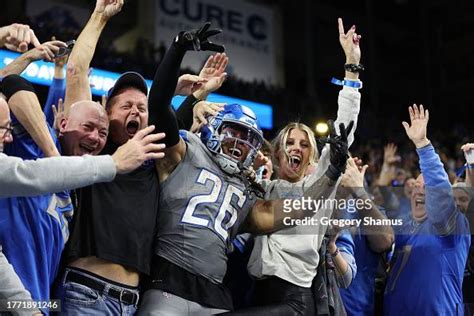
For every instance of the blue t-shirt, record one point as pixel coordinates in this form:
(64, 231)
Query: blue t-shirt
(33, 230)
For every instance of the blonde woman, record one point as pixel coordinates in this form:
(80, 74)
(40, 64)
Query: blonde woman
(290, 258)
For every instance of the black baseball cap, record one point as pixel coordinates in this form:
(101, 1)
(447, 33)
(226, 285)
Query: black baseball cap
(128, 79)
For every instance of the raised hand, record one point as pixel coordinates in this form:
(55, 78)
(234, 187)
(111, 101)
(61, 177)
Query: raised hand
(199, 39)
(139, 149)
(350, 43)
(188, 84)
(214, 72)
(60, 61)
(388, 172)
(17, 37)
(201, 111)
(468, 150)
(419, 121)
(58, 113)
(108, 8)
(45, 51)
(390, 154)
(353, 177)
(260, 160)
(339, 148)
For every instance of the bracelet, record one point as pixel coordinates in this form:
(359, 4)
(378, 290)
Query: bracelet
(335, 253)
(347, 83)
(355, 68)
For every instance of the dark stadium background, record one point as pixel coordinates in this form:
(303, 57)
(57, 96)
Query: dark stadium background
(414, 51)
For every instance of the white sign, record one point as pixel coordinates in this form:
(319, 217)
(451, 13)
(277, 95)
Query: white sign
(248, 34)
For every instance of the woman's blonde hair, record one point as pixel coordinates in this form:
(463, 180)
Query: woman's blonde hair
(279, 142)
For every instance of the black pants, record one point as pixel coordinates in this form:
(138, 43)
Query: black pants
(275, 297)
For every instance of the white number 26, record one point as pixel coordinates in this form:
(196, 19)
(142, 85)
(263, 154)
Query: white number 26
(219, 227)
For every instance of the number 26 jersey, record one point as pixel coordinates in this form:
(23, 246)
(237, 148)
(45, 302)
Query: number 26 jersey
(201, 209)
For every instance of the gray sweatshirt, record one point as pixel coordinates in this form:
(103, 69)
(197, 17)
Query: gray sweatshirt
(20, 177)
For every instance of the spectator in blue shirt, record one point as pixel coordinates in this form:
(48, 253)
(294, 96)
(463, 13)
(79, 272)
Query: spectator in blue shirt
(430, 249)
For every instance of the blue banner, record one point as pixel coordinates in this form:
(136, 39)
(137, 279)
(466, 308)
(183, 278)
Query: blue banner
(42, 73)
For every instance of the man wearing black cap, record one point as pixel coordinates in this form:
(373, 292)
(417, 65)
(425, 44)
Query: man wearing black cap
(127, 107)
(111, 236)
(113, 229)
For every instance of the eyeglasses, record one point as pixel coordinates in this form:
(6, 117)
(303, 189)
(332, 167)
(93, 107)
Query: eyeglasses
(7, 131)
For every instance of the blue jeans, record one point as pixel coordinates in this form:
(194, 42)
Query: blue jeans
(78, 299)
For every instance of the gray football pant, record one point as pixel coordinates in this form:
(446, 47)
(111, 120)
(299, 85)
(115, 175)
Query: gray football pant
(160, 303)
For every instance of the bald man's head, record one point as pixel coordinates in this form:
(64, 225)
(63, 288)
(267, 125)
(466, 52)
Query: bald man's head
(85, 130)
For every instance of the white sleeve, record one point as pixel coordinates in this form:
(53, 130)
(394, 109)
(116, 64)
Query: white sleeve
(348, 110)
(34, 177)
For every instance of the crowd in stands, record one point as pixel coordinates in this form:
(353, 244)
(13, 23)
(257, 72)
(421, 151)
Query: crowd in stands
(120, 208)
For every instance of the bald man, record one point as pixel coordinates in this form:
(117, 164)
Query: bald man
(33, 230)
(85, 130)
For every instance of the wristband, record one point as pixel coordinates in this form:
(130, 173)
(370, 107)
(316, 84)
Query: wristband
(335, 253)
(355, 68)
(347, 83)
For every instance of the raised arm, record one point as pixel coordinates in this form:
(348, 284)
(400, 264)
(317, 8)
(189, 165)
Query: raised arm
(349, 97)
(57, 90)
(380, 237)
(77, 80)
(44, 51)
(163, 89)
(192, 113)
(439, 201)
(24, 103)
(386, 176)
(468, 150)
(269, 216)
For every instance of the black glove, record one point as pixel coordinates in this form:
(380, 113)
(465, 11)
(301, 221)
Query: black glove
(199, 39)
(338, 149)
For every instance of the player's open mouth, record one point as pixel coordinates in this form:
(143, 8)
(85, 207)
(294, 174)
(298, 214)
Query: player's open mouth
(235, 152)
(295, 162)
(132, 127)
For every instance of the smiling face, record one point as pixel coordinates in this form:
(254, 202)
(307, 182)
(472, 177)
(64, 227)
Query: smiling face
(85, 130)
(128, 113)
(231, 146)
(418, 209)
(294, 156)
